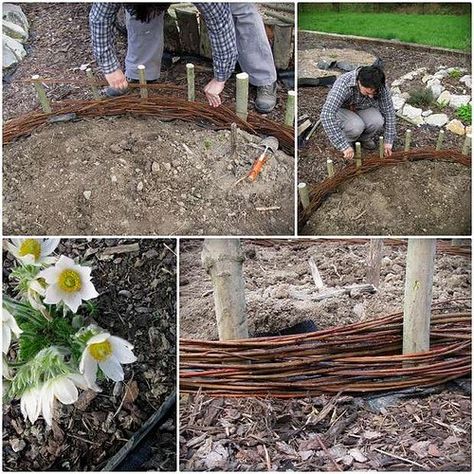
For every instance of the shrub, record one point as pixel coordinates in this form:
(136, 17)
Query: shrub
(464, 113)
(455, 74)
(421, 98)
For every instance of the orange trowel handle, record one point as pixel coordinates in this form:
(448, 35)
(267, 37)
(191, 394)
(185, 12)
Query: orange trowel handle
(257, 166)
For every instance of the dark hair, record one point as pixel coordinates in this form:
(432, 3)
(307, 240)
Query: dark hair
(145, 12)
(372, 77)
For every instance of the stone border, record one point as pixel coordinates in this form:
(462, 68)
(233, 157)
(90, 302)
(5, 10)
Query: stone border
(384, 42)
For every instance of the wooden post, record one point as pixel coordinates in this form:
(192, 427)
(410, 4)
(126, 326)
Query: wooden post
(242, 95)
(467, 145)
(374, 262)
(142, 80)
(418, 294)
(330, 166)
(222, 259)
(304, 194)
(282, 50)
(43, 99)
(381, 148)
(439, 142)
(290, 109)
(190, 77)
(408, 135)
(91, 79)
(358, 154)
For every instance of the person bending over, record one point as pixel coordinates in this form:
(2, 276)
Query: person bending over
(358, 108)
(236, 32)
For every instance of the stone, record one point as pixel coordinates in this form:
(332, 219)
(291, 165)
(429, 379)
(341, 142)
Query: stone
(87, 194)
(437, 120)
(455, 101)
(140, 186)
(434, 85)
(395, 91)
(452, 69)
(427, 113)
(398, 102)
(456, 126)
(325, 64)
(444, 98)
(113, 178)
(466, 80)
(405, 95)
(426, 78)
(13, 51)
(469, 130)
(397, 83)
(116, 148)
(14, 14)
(408, 76)
(441, 74)
(155, 167)
(167, 166)
(413, 113)
(14, 31)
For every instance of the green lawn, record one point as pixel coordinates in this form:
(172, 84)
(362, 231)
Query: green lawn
(447, 31)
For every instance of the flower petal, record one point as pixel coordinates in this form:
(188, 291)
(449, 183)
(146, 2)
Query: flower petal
(53, 295)
(88, 367)
(72, 300)
(49, 274)
(103, 336)
(30, 405)
(112, 369)
(47, 401)
(88, 291)
(14, 326)
(121, 350)
(65, 391)
(49, 246)
(64, 262)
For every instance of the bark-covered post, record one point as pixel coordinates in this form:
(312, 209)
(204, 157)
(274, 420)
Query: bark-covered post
(222, 259)
(374, 262)
(242, 95)
(418, 295)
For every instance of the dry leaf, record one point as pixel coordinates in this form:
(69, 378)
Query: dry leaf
(357, 455)
(131, 392)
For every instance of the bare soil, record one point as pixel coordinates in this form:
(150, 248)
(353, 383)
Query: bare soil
(397, 62)
(401, 432)
(137, 302)
(418, 198)
(133, 176)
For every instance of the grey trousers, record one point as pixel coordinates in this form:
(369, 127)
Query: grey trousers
(145, 45)
(361, 125)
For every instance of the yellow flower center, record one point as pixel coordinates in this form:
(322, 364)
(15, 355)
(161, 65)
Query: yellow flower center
(30, 247)
(101, 350)
(70, 281)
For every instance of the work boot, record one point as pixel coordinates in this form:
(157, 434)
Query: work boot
(113, 92)
(266, 98)
(369, 144)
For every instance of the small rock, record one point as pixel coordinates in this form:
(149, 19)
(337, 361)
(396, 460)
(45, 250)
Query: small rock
(456, 127)
(14, 31)
(395, 91)
(17, 444)
(125, 293)
(426, 78)
(455, 101)
(167, 166)
(426, 113)
(87, 194)
(437, 120)
(413, 113)
(435, 87)
(398, 102)
(113, 178)
(466, 80)
(155, 167)
(140, 186)
(116, 148)
(444, 98)
(397, 83)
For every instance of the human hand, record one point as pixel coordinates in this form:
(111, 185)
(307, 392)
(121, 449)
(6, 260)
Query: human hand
(387, 150)
(212, 91)
(117, 79)
(348, 153)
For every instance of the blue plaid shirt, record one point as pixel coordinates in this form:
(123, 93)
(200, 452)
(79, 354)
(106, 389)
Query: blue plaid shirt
(345, 94)
(219, 22)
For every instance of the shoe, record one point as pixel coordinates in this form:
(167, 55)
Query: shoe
(369, 145)
(113, 92)
(266, 98)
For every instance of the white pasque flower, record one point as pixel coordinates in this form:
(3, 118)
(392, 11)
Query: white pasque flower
(33, 251)
(9, 326)
(40, 400)
(108, 353)
(36, 290)
(68, 282)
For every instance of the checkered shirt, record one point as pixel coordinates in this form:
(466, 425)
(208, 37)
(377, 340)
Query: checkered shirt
(219, 22)
(345, 94)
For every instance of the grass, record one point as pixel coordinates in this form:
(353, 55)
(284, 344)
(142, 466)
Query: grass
(447, 31)
(465, 114)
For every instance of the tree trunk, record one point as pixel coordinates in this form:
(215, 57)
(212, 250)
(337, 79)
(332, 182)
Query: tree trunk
(374, 262)
(418, 294)
(222, 259)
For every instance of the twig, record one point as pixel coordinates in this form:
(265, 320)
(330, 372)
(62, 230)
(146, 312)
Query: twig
(271, 208)
(171, 250)
(328, 454)
(267, 459)
(399, 457)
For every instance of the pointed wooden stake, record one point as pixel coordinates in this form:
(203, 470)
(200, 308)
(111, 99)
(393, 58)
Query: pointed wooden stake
(142, 79)
(43, 99)
(190, 78)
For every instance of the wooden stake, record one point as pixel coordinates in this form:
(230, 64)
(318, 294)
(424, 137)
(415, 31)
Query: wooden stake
(91, 78)
(408, 139)
(374, 262)
(290, 109)
(418, 295)
(358, 154)
(234, 135)
(318, 281)
(467, 145)
(222, 259)
(330, 166)
(190, 77)
(43, 99)
(142, 79)
(242, 95)
(381, 147)
(304, 194)
(439, 142)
